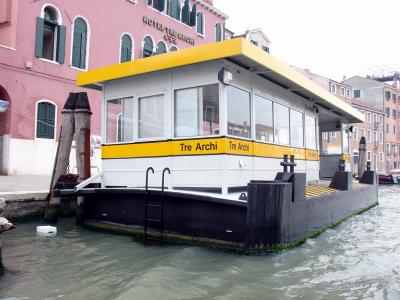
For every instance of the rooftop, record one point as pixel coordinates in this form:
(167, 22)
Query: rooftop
(238, 51)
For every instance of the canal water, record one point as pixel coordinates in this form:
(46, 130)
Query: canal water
(358, 259)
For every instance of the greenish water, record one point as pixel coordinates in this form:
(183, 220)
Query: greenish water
(358, 259)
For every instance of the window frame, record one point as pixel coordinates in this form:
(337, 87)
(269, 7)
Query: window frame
(303, 115)
(173, 118)
(203, 33)
(88, 33)
(55, 119)
(156, 47)
(253, 117)
(316, 131)
(251, 113)
(132, 49)
(143, 44)
(105, 122)
(136, 138)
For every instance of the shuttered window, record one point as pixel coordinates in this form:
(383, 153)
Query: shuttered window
(185, 18)
(174, 9)
(50, 36)
(161, 48)
(45, 120)
(126, 48)
(200, 23)
(218, 32)
(79, 44)
(148, 47)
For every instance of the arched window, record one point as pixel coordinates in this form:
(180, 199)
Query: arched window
(200, 23)
(148, 46)
(173, 48)
(161, 48)
(50, 35)
(174, 9)
(126, 48)
(79, 45)
(45, 120)
(185, 17)
(218, 32)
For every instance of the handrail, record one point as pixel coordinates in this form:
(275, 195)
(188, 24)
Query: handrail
(88, 181)
(147, 177)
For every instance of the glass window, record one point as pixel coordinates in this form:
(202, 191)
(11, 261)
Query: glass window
(174, 9)
(296, 128)
(239, 115)
(45, 120)
(311, 136)
(151, 117)
(126, 48)
(119, 127)
(50, 36)
(281, 124)
(263, 119)
(148, 47)
(218, 32)
(357, 93)
(197, 111)
(161, 48)
(79, 44)
(173, 48)
(200, 23)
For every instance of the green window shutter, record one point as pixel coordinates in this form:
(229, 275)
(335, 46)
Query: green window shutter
(186, 13)
(45, 120)
(160, 5)
(76, 49)
(175, 9)
(39, 37)
(126, 48)
(193, 15)
(79, 44)
(60, 54)
(218, 32)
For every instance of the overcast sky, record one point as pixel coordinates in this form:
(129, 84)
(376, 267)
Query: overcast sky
(332, 38)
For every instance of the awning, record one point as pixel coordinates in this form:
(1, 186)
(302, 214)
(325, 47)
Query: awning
(238, 51)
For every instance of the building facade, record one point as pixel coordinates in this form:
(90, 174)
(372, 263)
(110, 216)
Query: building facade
(44, 45)
(373, 129)
(383, 97)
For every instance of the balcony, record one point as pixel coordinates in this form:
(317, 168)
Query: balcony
(376, 144)
(376, 125)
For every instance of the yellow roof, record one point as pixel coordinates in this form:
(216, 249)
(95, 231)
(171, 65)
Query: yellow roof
(239, 51)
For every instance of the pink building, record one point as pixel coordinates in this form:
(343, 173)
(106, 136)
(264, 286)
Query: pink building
(43, 45)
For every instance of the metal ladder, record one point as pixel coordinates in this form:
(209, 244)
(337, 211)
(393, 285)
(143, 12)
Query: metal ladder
(154, 221)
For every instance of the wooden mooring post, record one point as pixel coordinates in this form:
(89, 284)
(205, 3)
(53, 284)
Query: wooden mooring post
(82, 139)
(75, 121)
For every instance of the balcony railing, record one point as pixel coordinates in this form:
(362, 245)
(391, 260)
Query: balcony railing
(376, 144)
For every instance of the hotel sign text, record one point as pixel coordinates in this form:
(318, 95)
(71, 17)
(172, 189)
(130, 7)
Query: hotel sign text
(171, 35)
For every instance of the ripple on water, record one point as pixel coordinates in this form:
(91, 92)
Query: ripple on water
(357, 259)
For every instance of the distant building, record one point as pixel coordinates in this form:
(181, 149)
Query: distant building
(254, 36)
(372, 129)
(383, 97)
(258, 38)
(44, 46)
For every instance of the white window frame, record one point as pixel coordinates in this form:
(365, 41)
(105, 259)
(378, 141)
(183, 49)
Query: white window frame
(342, 91)
(136, 117)
(332, 88)
(87, 43)
(133, 46)
(55, 119)
(142, 45)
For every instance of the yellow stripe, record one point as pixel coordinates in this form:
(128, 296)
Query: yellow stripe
(211, 146)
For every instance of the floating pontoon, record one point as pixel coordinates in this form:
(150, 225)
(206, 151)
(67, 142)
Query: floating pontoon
(224, 118)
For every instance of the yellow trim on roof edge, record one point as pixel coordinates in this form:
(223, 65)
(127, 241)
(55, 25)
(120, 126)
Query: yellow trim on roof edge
(209, 52)
(165, 61)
